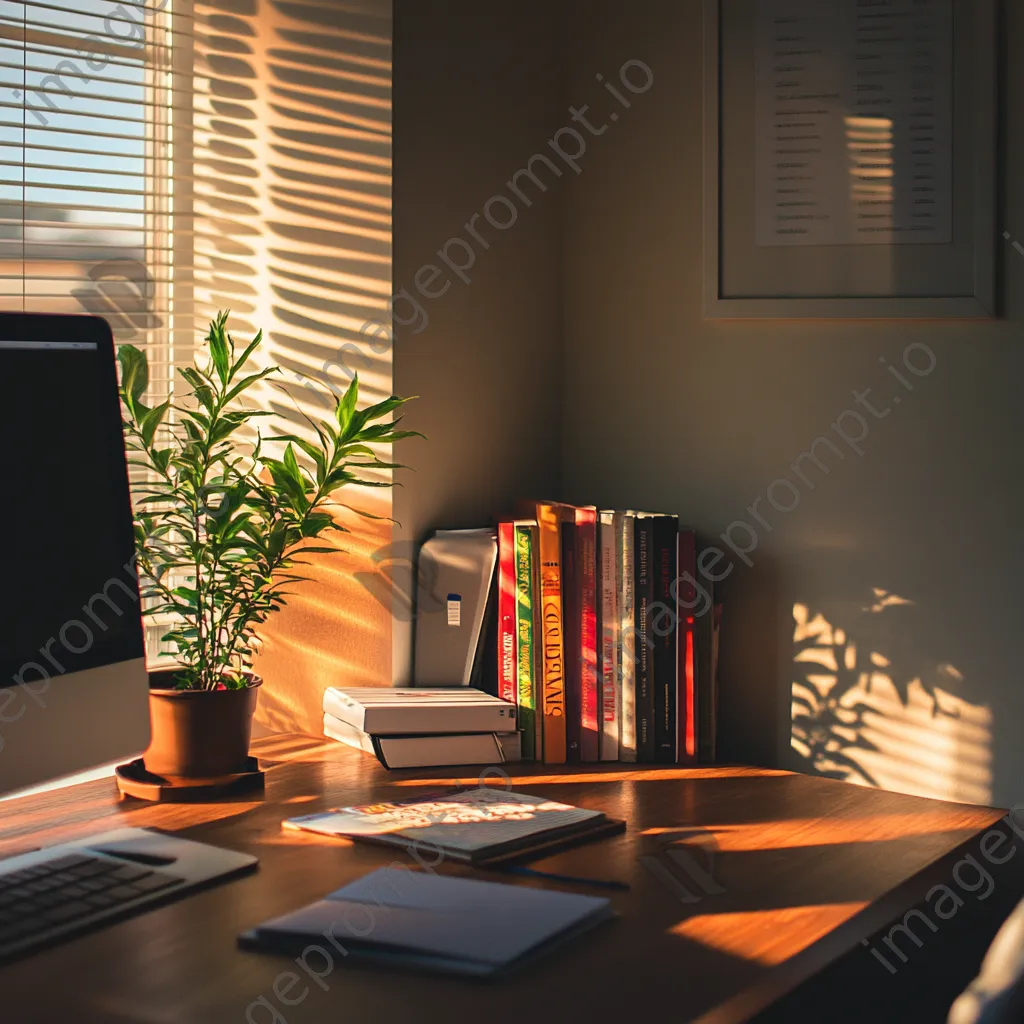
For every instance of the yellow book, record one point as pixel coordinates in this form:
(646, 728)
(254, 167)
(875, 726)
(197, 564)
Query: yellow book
(549, 517)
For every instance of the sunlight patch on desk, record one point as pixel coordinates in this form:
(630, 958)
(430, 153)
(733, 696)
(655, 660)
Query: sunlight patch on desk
(868, 710)
(105, 771)
(795, 833)
(767, 937)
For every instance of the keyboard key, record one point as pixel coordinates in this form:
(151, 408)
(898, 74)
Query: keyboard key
(72, 860)
(41, 885)
(15, 878)
(37, 871)
(129, 873)
(99, 901)
(93, 867)
(92, 884)
(67, 912)
(122, 893)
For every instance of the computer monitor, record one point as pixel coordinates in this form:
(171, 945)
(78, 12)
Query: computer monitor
(73, 683)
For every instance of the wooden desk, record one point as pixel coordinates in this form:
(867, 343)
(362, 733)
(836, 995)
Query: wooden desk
(800, 860)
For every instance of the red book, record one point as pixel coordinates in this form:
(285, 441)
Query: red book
(508, 677)
(590, 719)
(686, 604)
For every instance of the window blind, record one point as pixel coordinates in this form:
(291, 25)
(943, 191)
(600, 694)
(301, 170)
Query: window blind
(96, 168)
(96, 193)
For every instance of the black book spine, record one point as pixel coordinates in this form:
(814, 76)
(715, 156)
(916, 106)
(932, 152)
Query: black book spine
(706, 683)
(664, 630)
(571, 632)
(643, 590)
(484, 674)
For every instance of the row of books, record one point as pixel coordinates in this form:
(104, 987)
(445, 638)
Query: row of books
(602, 641)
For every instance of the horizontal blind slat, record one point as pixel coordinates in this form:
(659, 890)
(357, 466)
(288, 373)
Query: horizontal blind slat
(163, 8)
(82, 188)
(90, 133)
(185, 94)
(138, 87)
(121, 119)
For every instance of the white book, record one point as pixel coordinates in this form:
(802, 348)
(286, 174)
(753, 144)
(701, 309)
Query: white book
(472, 826)
(389, 711)
(477, 748)
(627, 636)
(610, 639)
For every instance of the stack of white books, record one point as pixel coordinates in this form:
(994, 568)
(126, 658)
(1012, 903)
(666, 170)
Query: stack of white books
(417, 728)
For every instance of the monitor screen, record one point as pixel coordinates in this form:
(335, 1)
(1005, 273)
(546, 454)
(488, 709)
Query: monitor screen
(70, 598)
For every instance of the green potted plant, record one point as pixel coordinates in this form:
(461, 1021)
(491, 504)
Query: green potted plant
(221, 529)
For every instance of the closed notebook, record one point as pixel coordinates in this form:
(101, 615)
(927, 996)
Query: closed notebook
(476, 826)
(432, 922)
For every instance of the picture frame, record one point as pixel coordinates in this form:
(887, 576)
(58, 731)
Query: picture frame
(950, 280)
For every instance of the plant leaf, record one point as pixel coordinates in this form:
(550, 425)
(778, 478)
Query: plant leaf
(134, 375)
(347, 405)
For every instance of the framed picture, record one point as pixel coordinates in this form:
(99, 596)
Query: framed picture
(850, 159)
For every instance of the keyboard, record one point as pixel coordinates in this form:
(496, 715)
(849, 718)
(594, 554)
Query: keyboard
(50, 894)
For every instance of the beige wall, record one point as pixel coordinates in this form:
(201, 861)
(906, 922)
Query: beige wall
(663, 409)
(293, 203)
(477, 93)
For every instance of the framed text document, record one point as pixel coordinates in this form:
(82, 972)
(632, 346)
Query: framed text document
(850, 158)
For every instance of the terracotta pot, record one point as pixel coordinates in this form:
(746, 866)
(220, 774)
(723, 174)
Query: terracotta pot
(199, 734)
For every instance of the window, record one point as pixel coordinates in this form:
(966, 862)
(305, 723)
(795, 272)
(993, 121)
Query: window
(95, 173)
(95, 148)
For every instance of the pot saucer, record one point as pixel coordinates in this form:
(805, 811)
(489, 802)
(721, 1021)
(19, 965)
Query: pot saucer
(134, 780)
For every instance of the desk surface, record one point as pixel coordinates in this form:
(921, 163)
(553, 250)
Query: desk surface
(807, 867)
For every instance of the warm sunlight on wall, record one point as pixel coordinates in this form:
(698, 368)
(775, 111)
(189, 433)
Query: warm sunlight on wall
(293, 234)
(872, 716)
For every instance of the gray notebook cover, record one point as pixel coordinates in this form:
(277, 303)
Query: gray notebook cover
(456, 569)
(456, 925)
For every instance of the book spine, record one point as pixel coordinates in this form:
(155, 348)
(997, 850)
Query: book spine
(686, 603)
(716, 636)
(644, 589)
(705, 683)
(571, 618)
(664, 629)
(553, 674)
(590, 718)
(507, 612)
(610, 636)
(525, 653)
(538, 649)
(626, 651)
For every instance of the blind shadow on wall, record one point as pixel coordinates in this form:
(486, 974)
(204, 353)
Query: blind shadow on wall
(293, 235)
